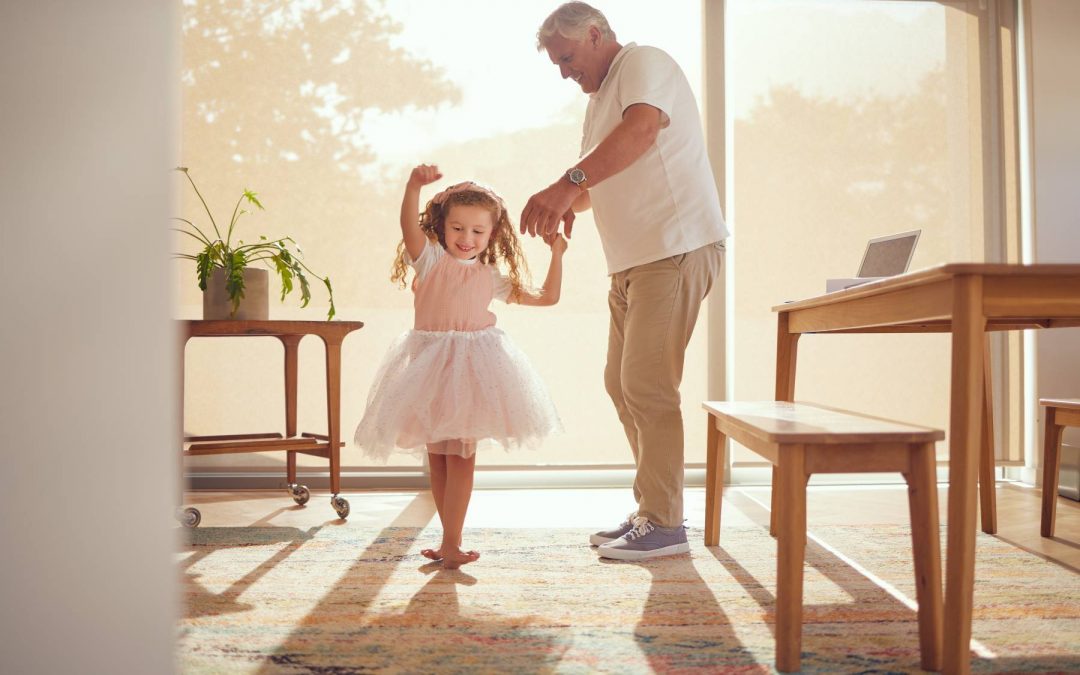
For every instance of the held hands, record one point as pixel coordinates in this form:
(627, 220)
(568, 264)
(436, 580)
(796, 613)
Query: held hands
(423, 175)
(547, 208)
(557, 243)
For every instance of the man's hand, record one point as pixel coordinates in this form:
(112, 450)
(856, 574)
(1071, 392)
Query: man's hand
(545, 209)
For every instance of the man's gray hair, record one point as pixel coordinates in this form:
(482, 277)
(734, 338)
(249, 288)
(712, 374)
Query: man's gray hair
(572, 20)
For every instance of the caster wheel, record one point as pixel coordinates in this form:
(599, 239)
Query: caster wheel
(190, 517)
(341, 506)
(300, 494)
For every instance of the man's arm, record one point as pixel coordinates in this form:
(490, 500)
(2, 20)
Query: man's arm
(640, 125)
(627, 142)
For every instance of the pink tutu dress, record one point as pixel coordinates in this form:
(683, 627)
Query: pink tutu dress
(455, 376)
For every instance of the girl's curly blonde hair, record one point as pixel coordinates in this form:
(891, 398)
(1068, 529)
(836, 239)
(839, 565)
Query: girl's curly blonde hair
(502, 247)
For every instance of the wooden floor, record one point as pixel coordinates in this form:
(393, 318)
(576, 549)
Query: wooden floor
(1018, 511)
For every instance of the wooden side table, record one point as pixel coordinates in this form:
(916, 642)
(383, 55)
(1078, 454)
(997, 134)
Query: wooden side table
(1060, 413)
(326, 445)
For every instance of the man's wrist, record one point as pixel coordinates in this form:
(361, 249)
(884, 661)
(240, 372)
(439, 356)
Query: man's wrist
(576, 177)
(567, 187)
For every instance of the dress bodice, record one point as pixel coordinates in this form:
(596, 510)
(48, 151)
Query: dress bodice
(454, 295)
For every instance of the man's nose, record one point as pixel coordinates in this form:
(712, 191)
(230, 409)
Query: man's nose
(564, 71)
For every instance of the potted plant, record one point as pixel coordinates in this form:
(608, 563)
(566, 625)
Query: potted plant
(225, 269)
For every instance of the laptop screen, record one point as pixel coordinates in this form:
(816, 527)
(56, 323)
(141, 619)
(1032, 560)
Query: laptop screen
(887, 256)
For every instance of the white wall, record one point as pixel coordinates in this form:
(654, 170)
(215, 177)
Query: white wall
(86, 409)
(1055, 91)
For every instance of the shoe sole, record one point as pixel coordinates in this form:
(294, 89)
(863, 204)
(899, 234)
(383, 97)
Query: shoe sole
(626, 554)
(597, 540)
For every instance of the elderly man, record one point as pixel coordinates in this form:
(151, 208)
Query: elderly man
(645, 173)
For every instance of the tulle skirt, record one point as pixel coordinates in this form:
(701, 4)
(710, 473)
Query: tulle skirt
(436, 386)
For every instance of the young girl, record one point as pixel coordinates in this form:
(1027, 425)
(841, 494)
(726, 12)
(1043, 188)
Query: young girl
(456, 379)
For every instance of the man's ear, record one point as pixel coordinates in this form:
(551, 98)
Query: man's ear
(594, 36)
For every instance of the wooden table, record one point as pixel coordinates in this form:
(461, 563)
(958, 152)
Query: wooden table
(965, 300)
(326, 445)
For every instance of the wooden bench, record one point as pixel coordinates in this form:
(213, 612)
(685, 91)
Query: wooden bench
(1060, 413)
(800, 439)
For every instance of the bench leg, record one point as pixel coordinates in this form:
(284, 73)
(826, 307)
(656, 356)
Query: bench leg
(1051, 465)
(926, 550)
(790, 493)
(714, 482)
(773, 502)
(987, 483)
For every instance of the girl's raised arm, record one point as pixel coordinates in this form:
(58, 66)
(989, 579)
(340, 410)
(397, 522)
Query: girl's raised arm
(549, 293)
(414, 237)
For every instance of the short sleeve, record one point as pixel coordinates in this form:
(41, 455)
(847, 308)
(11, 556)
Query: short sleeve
(427, 259)
(501, 285)
(649, 76)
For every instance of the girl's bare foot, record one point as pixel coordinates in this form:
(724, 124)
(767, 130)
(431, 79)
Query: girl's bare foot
(456, 558)
(436, 553)
(431, 554)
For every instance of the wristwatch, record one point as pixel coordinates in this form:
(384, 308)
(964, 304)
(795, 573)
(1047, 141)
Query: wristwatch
(577, 177)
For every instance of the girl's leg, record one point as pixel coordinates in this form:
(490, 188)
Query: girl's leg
(437, 469)
(456, 495)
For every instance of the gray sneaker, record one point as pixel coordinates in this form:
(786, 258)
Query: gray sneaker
(605, 536)
(646, 540)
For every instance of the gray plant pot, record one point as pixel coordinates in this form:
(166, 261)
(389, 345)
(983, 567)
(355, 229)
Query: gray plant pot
(254, 306)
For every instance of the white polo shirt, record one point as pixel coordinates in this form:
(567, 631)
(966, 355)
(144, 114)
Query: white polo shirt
(666, 202)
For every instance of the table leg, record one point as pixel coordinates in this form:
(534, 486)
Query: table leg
(968, 325)
(1051, 465)
(333, 411)
(987, 462)
(787, 352)
(292, 350)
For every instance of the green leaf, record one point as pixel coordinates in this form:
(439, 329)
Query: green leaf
(203, 265)
(285, 272)
(305, 289)
(333, 310)
(252, 197)
(234, 278)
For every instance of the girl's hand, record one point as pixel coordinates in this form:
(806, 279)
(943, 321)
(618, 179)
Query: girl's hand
(424, 174)
(557, 243)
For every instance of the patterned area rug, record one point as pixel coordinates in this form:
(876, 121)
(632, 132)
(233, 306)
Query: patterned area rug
(339, 599)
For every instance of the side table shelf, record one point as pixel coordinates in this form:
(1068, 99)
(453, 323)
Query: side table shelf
(326, 445)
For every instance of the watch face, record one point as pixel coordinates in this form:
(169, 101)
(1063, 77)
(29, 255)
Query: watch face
(576, 176)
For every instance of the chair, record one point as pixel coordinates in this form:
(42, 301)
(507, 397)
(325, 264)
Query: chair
(1060, 413)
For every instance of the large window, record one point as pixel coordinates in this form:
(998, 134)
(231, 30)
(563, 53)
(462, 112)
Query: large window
(850, 120)
(322, 107)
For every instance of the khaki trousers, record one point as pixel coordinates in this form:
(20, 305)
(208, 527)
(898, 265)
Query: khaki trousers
(653, 311)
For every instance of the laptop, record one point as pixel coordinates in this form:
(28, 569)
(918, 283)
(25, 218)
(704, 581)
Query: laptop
(884, 257)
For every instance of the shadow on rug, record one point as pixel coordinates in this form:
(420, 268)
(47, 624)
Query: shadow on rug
(344, 599)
